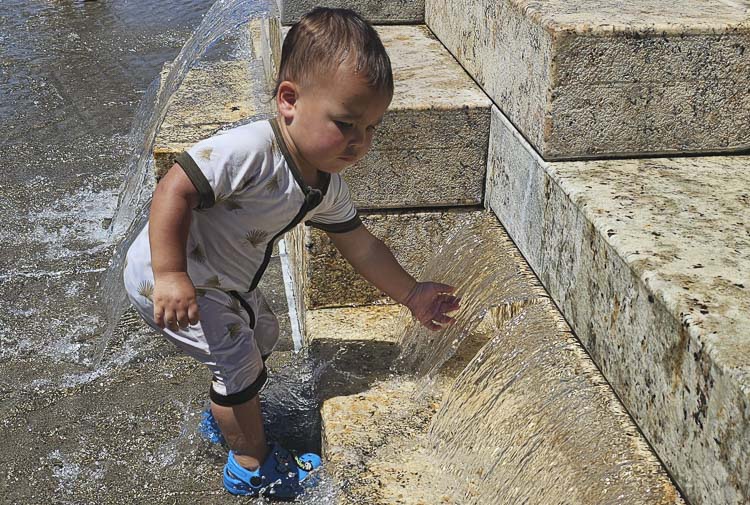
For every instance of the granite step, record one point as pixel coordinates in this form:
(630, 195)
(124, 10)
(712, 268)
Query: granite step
(379, 12)
(609, 78)
(375, 432)
(326, 279)
(648, 261)
(429, 152)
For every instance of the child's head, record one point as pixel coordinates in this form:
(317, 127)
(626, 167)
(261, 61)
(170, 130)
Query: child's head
(334, 85)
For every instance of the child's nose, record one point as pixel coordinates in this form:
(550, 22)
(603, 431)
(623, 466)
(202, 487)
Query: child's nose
(359, 136)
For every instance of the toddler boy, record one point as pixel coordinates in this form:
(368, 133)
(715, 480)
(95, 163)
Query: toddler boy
(193, 271)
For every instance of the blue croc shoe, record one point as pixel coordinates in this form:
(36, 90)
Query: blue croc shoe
(283, 476)
(209, 428)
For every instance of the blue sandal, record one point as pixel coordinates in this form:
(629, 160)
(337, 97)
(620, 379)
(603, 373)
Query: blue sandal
(283, 475)
(209, 428)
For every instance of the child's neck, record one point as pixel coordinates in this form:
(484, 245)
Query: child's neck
(310, 174)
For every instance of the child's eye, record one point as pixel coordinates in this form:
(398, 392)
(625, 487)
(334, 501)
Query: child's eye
(343, 124)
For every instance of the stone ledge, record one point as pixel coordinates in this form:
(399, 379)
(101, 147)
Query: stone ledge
(375, 11)
(375, 434)
(589, 79)
(326, 279)
(212, 96)
(430, 150)
(646, 259)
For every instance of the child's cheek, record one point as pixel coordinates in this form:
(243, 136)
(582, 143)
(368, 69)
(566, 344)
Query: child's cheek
(332, 140)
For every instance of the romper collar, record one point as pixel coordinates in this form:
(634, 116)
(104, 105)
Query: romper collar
(312, 195)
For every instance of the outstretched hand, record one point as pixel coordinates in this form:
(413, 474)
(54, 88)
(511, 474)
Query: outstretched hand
(429, 303)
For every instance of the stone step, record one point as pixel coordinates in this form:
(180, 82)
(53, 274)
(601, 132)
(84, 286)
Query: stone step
(376, 11)
(608, 78)
(326, 279)
(648, 261)
(430, 150)
(376, 443)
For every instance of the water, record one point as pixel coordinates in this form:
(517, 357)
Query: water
(525, 423)
(530, 419)
(475, 262)
(220, 22)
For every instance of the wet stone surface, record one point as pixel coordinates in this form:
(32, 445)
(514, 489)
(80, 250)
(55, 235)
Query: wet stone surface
(71, 76)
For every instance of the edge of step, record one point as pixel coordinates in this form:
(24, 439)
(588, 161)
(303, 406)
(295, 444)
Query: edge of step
(645, 260)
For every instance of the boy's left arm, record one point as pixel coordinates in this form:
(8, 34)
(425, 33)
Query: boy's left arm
(429, 302)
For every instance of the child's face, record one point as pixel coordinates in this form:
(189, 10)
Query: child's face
(333, 120)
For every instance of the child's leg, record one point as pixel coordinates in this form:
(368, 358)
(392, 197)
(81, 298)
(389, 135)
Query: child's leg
(223, 340)
(242, 427)
(266, 323)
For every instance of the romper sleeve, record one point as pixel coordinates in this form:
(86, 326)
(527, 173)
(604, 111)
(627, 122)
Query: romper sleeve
(223, 164)
(336, 214)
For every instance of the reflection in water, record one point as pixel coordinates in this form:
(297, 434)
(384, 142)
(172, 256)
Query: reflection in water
(132, 211)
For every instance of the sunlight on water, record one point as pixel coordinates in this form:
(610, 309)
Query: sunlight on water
(224, 18)
(526, 423)
(474, 261)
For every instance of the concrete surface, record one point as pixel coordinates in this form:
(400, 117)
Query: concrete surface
(429, 151)
(605, 78)
(213, 95)
(647, 260)
(375, 11)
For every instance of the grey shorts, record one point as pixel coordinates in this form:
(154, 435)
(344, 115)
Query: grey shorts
(235, 333)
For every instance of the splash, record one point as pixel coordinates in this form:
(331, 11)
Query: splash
(530, 420)
(474, 261)
(222, 19)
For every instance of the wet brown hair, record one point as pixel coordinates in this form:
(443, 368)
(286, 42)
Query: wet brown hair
(324, 39)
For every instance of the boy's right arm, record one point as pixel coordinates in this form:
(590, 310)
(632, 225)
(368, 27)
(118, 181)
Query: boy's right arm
(174, 294)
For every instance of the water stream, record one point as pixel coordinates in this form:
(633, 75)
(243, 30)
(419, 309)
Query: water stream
(469, 262)
(219, 23)
(530, 419)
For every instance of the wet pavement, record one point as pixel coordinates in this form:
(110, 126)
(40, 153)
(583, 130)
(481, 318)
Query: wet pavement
(71, 76)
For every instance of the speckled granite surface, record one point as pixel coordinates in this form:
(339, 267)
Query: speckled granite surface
(593, 78)
(430, 150)
(375, 11)
(648, 261)
(375, 433)
(330, 281)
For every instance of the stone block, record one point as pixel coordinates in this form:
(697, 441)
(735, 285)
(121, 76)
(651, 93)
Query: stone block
(429, 151)
(647, 260)
(431, 148)
(212, 96)
(375, 11)
(376, 426)
(592, 79)
(326, 279)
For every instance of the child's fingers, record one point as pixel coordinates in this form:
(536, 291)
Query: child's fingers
(182, 318)
(430, 325)
(443, 319)
(159, 316)
(170, 320)
(193, 315)
(449, 299)
(443, 288)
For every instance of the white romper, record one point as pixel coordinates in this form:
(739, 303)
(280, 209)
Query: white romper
(251, 193)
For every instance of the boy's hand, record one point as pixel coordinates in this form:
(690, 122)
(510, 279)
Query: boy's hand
(429, 302)
(174, 301)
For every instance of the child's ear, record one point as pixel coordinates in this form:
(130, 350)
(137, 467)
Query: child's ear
(286, 99)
